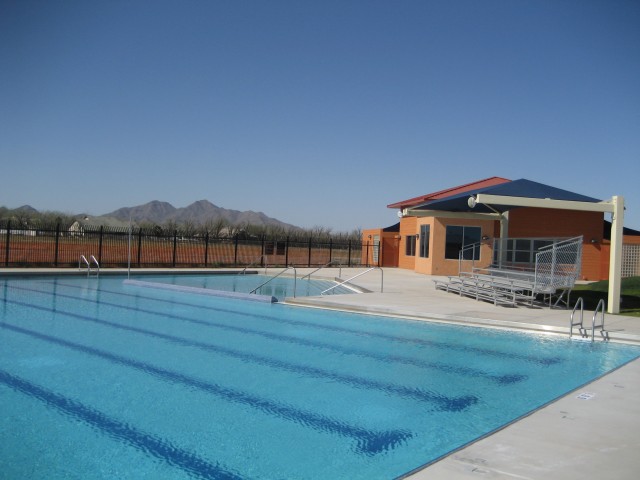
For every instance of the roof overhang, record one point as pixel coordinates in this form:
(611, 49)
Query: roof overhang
(497, 199)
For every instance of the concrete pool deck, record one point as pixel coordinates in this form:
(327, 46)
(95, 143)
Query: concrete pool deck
(592, 432)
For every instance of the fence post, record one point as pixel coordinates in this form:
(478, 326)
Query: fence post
(100, 244)
(55, 257)
(235, 251)
(286, 252)
(367, 256)
(309, 260)
(206, 249)
(262, 252)
(330, 249)
(175, 246)
(349, 254)
(6, 247)
(139, 246)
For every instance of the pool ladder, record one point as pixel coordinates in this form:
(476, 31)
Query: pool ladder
(83, 261)
(579, 323)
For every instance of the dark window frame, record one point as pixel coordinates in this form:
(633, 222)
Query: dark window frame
(466, 235)
(425, 234)
(410, 245)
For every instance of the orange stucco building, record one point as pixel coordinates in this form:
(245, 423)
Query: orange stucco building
(433, 228)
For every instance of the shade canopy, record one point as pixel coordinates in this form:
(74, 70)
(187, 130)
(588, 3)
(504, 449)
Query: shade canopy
(517, 188)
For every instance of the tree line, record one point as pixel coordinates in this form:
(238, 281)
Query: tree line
(214, 227)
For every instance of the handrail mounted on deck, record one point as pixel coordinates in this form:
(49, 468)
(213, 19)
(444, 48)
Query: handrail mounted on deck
(276, 276)
(356, 276)
(323, 266)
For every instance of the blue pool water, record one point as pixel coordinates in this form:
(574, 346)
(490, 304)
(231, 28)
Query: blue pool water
(278, 287)
(99, 380)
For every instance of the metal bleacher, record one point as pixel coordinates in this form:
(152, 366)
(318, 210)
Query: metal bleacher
(549, 281)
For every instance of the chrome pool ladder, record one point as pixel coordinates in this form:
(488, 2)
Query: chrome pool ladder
(579, 323)
(600, 308)
(83, 261)
(572, 323)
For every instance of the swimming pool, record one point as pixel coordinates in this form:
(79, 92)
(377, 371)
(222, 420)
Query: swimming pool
(104, 380)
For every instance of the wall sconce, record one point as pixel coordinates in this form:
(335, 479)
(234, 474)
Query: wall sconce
(594, 240)
(485, 237)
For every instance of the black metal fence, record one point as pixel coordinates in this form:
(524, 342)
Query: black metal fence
(58, 246)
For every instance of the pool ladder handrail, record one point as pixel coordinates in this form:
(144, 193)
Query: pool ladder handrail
(583, 331)
(324, 266)
(600, 308)
(276, 276)
(88, 264)
(356, 276)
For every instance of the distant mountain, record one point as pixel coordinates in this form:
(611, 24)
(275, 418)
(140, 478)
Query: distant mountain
(198, 213)
(27, 209)
(155, 211)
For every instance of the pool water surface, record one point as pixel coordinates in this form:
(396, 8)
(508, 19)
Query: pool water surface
(279, 287)
(99, 379)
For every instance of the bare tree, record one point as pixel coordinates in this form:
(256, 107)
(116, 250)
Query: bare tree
(214, 227)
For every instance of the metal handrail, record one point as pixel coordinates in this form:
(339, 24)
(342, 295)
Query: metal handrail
(276, 276)
(572, 324)
(253, 262)
(97, 265)
(88, 264)
(463, 250)
(80, 260)
(320, 268)
(600, 308)
(356, 276)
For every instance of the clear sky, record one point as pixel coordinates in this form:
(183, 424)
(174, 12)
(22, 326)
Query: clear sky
(317, 113)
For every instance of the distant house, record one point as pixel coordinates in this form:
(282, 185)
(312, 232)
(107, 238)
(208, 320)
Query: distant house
(435, 227)
(76, 229)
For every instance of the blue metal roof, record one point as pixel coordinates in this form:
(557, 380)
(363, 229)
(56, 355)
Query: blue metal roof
(517, 188)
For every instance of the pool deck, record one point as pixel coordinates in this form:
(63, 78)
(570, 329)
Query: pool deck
(592, 432)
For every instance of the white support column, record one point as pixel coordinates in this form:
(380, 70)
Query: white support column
(615, 258)
(504, 235)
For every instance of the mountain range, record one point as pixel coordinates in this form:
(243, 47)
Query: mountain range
(197, 213)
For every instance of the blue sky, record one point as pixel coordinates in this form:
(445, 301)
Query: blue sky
(318, 113)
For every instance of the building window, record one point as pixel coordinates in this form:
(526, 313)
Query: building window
(410, 245)
(459, 238)
(425, 231)
(520, 250)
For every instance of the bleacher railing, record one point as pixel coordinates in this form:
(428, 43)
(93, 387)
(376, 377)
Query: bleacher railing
(559, 265)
